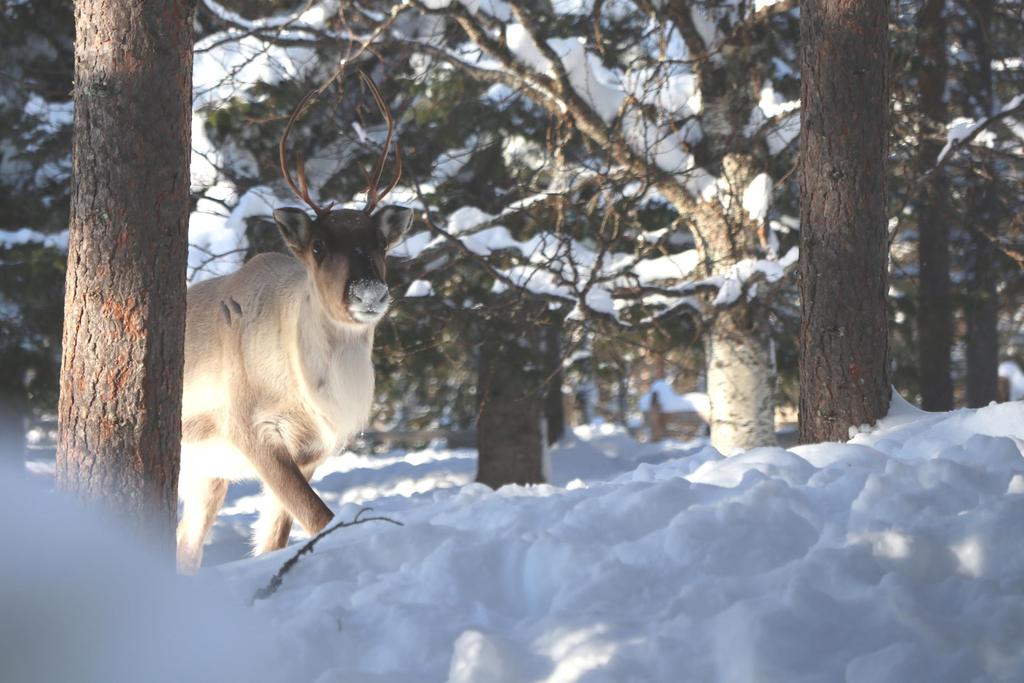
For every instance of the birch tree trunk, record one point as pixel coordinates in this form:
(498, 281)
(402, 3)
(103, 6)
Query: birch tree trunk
(738, 345)
(124, 317)
(741, 380)
(844, 347)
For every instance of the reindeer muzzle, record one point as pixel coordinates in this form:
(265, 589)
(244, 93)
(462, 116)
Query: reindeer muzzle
(368, 300)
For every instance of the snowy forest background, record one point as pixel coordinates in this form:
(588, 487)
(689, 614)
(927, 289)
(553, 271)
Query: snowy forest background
(611, 276)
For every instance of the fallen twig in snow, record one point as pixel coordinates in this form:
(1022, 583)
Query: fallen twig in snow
(278, 577)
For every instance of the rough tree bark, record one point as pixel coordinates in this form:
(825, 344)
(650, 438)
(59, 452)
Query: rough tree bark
(935, 307)
(511, 425)
(124, 319)
(844, 348)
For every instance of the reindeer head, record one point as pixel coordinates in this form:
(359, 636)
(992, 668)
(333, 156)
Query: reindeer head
(344, 249)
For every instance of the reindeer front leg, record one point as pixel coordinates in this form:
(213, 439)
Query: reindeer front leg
(280, 474)
(275, 523)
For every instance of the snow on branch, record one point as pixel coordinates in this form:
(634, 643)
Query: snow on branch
(563, 77)
(742, 279)
(27, 236)
(639, 123)
(554, 266)
(308, 20)
(962, 131)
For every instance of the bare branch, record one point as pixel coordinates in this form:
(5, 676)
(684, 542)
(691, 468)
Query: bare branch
(560, 101)
(278, 577)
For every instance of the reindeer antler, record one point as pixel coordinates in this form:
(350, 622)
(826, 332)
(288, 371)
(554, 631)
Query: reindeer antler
(302, 190)
(373, 194)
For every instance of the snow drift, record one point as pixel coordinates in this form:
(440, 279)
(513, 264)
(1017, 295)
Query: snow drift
(894, 557)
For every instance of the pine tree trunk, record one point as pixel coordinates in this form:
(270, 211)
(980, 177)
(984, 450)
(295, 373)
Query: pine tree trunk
(982, 310)
(121, 375)
(13, 411)
(844, 349)
(511, 426)
(935, 307)
(982, 307)
(554, 405)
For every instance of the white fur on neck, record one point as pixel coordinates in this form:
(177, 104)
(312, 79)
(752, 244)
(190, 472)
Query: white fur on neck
(336, 373)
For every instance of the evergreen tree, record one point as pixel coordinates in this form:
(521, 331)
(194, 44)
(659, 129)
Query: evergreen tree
(844, 344)
(935, 306)
(121, 374)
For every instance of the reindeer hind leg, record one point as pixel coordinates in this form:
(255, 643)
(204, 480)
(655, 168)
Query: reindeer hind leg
(203, 498)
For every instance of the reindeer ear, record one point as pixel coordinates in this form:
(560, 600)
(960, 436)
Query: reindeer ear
(295, 227)
(393, 222)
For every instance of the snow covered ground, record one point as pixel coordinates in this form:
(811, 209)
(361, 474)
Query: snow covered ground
(894, 557)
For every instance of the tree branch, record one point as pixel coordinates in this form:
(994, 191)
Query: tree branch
(278, 577)
(1015, 107)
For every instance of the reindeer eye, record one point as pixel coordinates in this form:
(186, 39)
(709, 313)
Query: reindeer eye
(319, 250)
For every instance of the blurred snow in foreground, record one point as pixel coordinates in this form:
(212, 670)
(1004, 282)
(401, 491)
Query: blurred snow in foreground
(894, 557)
(79, 603)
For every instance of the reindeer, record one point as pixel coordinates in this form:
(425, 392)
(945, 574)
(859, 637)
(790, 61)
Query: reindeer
(278, 374)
